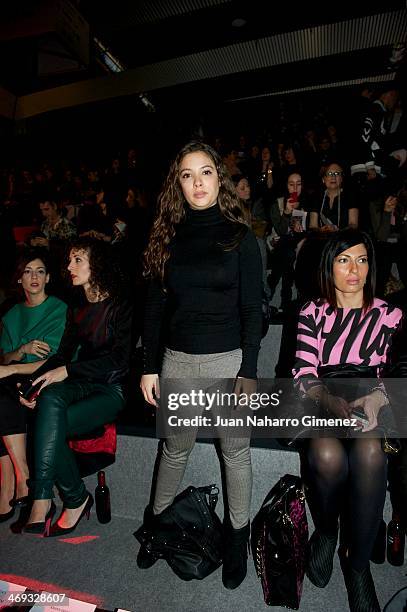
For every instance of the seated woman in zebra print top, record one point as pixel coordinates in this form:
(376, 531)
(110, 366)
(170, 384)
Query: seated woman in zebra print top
(348, 325)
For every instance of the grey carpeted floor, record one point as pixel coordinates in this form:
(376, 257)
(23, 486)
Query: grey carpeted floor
(103, 570)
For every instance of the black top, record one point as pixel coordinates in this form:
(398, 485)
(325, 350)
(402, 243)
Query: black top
(338, 214)
(102, 331)
(212, 301)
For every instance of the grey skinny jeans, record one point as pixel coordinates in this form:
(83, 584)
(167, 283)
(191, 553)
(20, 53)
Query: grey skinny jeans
(235, 451)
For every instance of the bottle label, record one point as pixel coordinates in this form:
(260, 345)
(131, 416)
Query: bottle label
(395, 544)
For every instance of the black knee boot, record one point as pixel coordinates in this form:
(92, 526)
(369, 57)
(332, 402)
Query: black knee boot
(361, 590)
(235, 556)
(321, 555)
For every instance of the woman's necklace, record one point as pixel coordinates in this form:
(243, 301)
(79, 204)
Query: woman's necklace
(321, 214)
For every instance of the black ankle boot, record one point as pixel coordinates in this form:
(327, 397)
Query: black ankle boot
(361, 590)
(146, 558)
(235, 556)
(321, 555)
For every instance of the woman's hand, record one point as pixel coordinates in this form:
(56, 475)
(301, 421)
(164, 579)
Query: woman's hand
(337, 406)
(290, 205)
(53, 376)
(30, 405)
(36, 347)
(245, 387)
(390, 204)
(150, 388)
(370, 404)
(24, 402)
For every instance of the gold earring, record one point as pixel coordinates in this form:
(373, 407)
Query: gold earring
(19, 281)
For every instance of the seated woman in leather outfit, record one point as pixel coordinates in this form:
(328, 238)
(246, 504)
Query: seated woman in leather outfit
(78, 396)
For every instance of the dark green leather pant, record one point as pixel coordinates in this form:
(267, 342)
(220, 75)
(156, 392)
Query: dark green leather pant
(68, 409)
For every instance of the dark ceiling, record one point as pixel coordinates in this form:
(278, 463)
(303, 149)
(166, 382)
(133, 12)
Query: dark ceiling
(192, 48)
(139, 39)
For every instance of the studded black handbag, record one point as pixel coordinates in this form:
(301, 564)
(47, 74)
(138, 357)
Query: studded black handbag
(188, 534)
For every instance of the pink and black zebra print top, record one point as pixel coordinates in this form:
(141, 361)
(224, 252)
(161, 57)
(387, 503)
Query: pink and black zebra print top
(329, 336)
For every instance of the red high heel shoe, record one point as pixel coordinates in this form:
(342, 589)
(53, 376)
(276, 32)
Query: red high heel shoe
(42, 527)
(56, 530)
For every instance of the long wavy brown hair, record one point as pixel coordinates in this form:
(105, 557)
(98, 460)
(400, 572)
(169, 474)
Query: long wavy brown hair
(171, 210)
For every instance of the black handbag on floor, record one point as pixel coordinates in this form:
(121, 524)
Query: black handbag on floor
(188, 534)
(279, 541)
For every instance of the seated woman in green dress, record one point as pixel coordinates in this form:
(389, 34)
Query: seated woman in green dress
(31, 332)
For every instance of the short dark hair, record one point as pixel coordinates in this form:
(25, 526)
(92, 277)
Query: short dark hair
(339, 242)
(28, 255)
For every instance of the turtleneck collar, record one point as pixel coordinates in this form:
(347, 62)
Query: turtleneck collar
(207, 216)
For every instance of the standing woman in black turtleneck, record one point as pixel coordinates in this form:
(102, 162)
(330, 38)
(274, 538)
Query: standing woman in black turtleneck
(205, 292)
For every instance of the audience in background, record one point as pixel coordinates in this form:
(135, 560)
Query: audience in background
(113, 201)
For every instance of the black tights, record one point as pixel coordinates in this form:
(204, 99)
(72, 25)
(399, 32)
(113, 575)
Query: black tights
(349, 477)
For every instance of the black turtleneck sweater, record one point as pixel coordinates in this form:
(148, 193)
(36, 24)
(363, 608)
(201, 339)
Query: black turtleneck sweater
(212, 297)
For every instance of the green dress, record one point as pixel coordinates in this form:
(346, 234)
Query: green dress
(23, 323)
